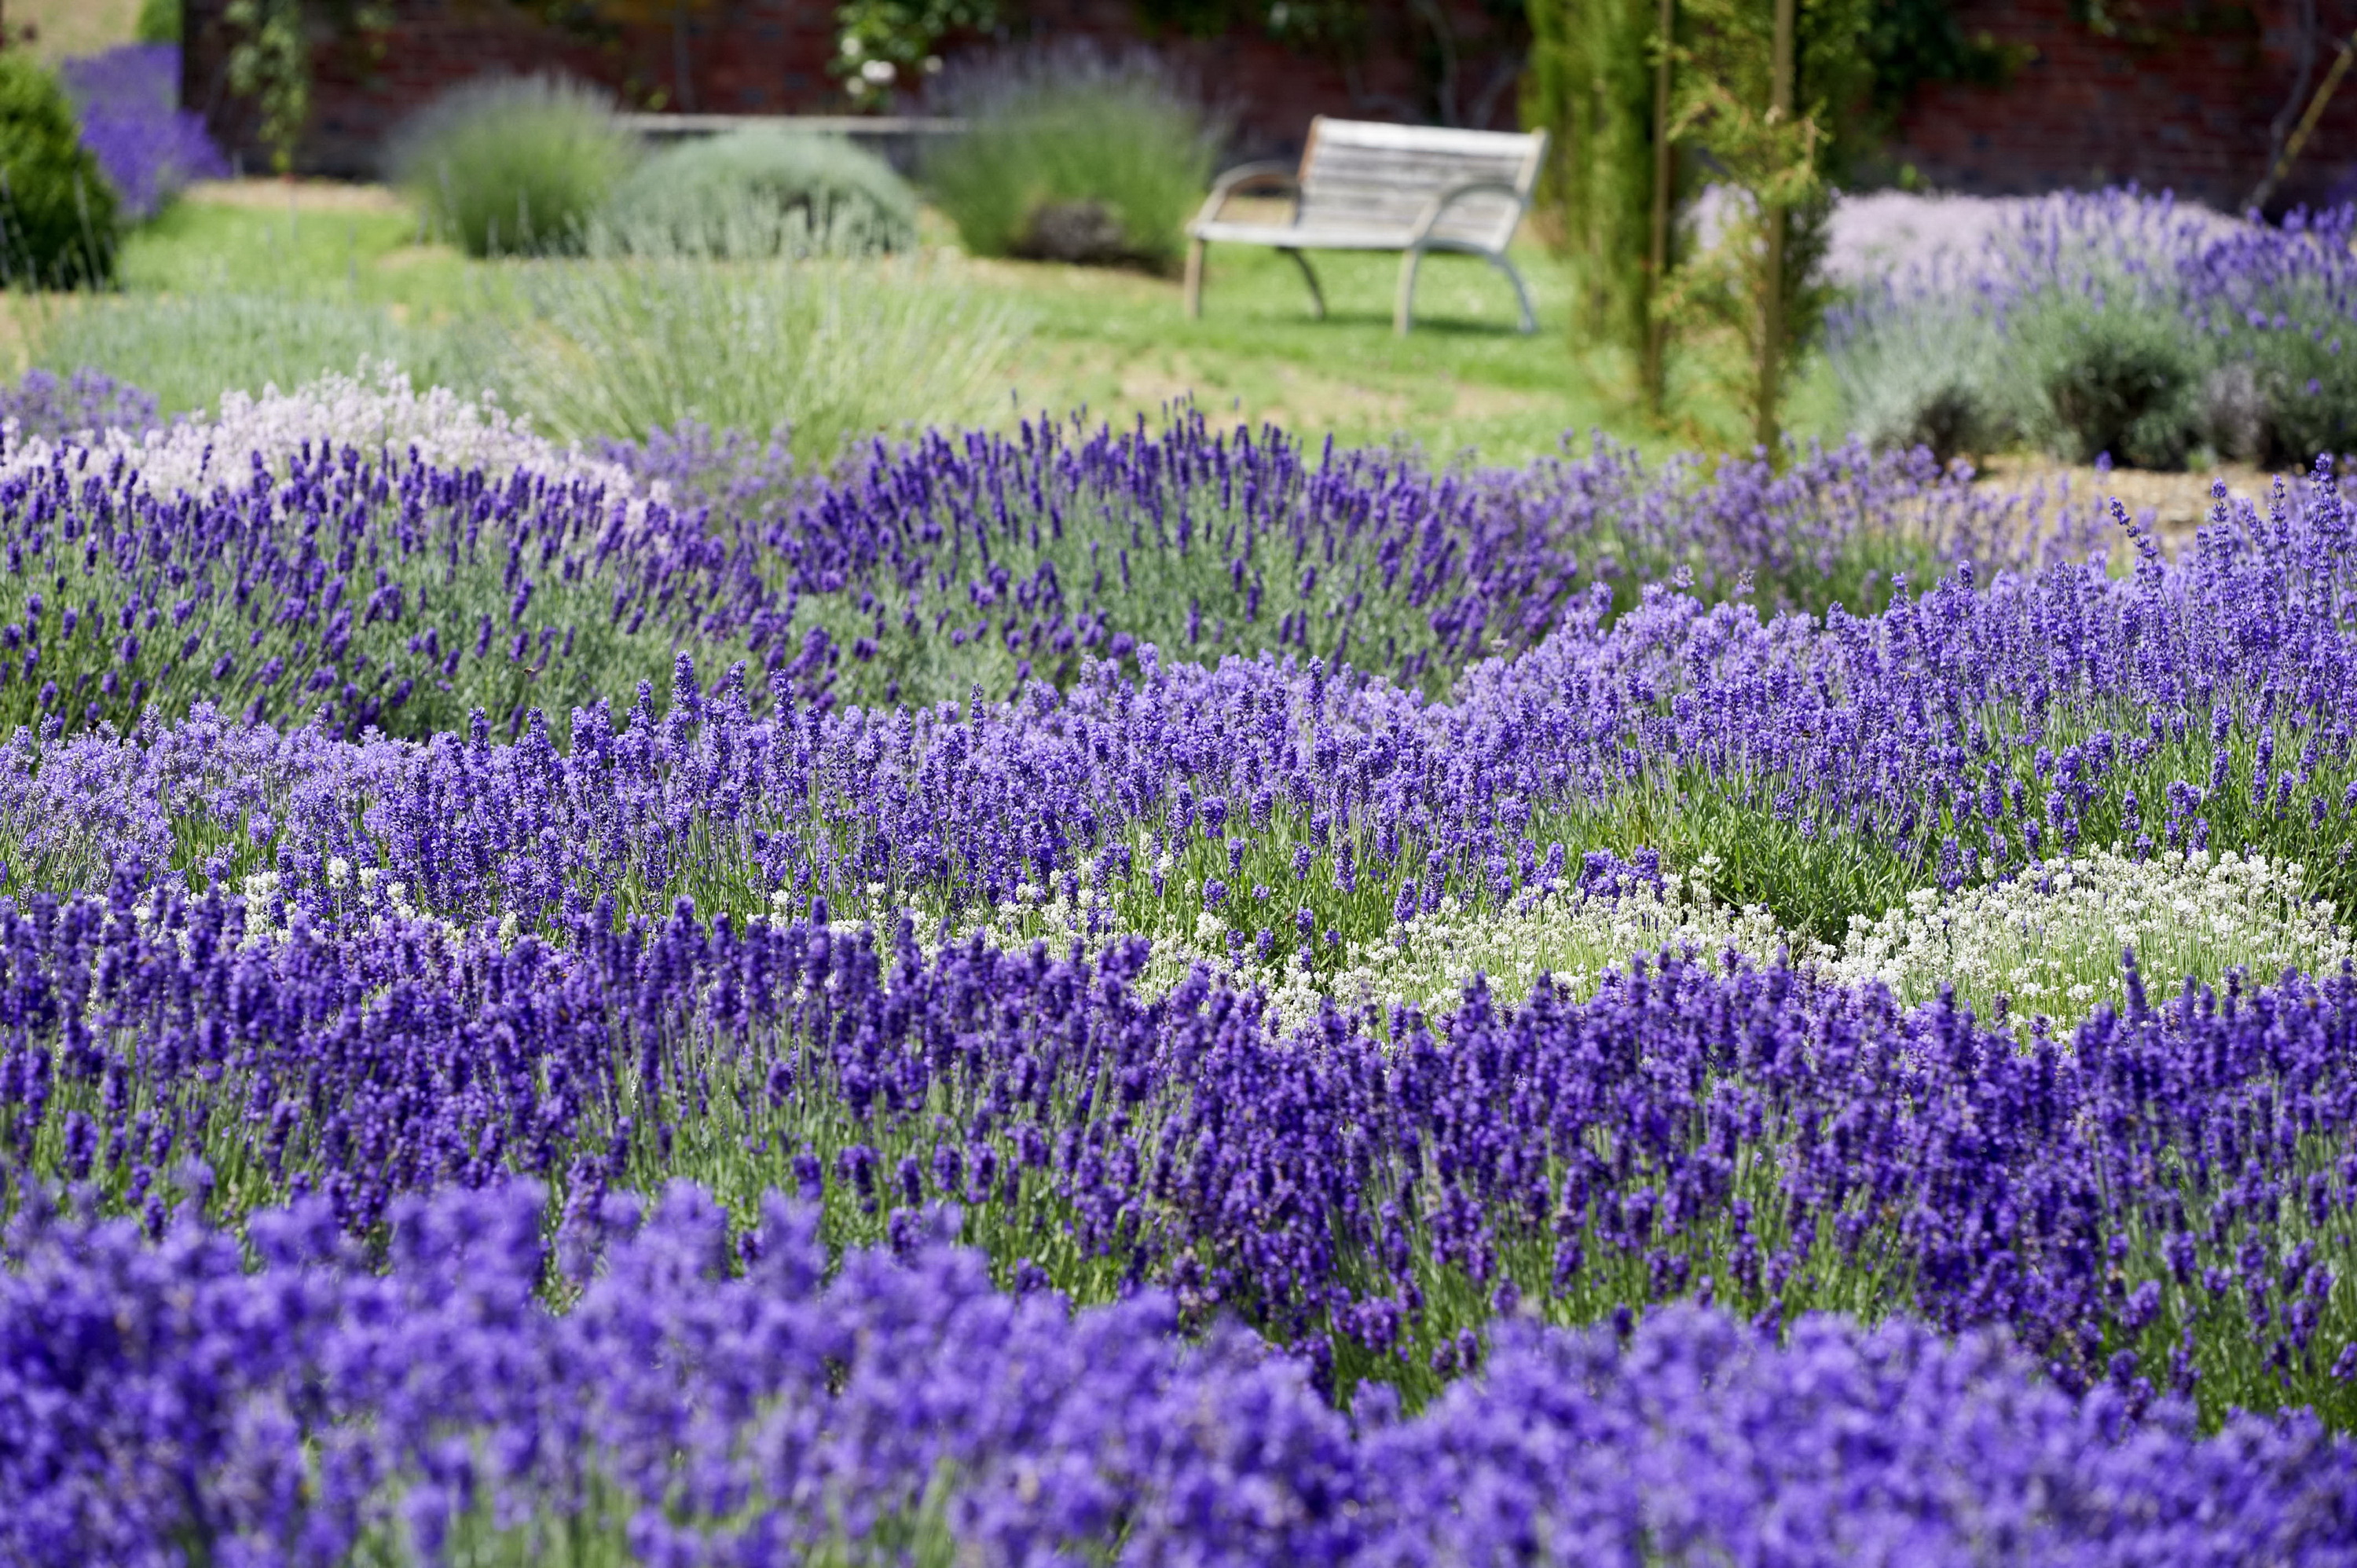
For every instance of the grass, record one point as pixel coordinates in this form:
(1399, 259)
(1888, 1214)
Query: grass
(1113, 342)
(1464, 380)
(239, 284)
(63, 29)
(513, 165)
(303, 238)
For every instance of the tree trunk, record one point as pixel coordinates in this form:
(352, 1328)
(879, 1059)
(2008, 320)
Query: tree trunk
(1771, 311)
(1655, 374)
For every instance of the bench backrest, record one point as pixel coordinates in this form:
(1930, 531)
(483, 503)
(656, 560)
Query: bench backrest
(1361, 174)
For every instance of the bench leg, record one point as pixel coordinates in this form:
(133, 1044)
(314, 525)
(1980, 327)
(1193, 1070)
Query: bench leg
(1521, 293)
(1403, 303)
(1316, 295)
(1194, 280)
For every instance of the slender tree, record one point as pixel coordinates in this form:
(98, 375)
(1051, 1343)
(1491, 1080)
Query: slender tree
(1598, 85)
(1770, 97)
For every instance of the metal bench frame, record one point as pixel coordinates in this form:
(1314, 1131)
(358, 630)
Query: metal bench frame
(1414, 239)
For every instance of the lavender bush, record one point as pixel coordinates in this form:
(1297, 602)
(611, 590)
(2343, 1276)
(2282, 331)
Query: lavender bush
(128, 100)
(2117, 322)
(44, 407)
(1368, 1195)
(700, 1402)
(402, 594)
(1823, 770)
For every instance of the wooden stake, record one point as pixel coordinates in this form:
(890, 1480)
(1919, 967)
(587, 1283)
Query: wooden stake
(2307, 126)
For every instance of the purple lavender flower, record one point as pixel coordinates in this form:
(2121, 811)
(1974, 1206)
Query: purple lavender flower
(52, 410)
(157, 1396)
(128, 99)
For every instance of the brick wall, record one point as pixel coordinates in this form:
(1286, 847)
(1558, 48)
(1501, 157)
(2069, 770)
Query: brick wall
(2188, 108)
(772, 57)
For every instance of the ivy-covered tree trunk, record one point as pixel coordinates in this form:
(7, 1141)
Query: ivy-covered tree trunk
(270, 64)
(1592, 87)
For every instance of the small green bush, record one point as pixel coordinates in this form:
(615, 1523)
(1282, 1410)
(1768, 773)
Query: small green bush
(58, 215)
(1073, 155)
(513, 165)
(2121, 379)
(159, 22)
(2306, 387)
(1953, 418)
(1934, 376)
(764, 192)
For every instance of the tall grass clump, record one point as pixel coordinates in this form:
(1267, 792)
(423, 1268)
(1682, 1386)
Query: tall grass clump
(763, 191)
(187, 350)
(632, 338)
(1072, 155)
(513, 165)
(58, 214)
(1932, 375)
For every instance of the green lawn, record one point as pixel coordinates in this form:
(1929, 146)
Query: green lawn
(62, 29)
(259, 236)
(1464, 379)
(238, 284)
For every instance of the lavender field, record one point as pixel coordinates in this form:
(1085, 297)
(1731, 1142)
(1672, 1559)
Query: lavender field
(1158, 995)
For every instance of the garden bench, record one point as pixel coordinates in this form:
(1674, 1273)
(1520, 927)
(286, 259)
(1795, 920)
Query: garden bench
(1364, 186)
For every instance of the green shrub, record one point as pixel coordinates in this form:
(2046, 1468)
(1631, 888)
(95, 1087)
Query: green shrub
(2306, 393)
(765, 192)
(619, 344)
(1926, 377)
(2120, 379)
(1072, 156)
(159, 22)
(58, 214)
(1952, 418)
(513, 165)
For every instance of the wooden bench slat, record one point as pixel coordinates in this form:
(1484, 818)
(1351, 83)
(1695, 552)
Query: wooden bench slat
(1418, 138)
(1350, 164)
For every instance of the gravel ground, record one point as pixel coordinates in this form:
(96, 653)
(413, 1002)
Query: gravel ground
(2179, 503)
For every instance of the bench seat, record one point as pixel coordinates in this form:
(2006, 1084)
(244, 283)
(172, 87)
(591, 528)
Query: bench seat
(1364, 186)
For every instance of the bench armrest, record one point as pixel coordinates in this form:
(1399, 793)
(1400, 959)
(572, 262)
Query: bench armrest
(1437, 208)
(1278, 175)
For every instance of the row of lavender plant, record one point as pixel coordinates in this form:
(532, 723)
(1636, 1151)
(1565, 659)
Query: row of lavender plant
(395, 594)
(2166, 1196)
(757, 1402)
(1825, 770)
